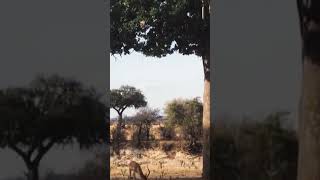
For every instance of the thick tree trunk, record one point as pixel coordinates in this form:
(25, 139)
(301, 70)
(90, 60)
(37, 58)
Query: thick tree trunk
(33, 171)
(120, 120)
(309, 130)
(206, 121)
(309, 117)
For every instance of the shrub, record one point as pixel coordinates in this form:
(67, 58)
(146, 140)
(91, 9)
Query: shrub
(167, 133)
(166, 147)
(118, 137)
(255, 150)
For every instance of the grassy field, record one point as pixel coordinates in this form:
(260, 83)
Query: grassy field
(161, 165)
(172, 164)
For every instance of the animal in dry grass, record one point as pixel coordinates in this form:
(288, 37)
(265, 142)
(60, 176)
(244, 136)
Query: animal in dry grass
(136, 168)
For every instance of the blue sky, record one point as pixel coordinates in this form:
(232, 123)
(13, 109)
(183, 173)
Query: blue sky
(160, 79)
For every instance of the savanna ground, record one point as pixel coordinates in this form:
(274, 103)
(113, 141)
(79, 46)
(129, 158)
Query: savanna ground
(162, 163)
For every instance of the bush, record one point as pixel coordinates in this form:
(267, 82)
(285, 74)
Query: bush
(225, 155)
(118, 137)
(255, 150)
(167, 133)
(166, 147)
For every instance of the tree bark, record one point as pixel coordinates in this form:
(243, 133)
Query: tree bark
(309, 115)
(309, 129)
(206, 121)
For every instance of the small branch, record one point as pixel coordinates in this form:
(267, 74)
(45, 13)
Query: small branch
(123, 108)
(118, 110)
(31, 150)
(19, 152)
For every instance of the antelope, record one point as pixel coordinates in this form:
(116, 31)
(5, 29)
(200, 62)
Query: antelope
(136, 168)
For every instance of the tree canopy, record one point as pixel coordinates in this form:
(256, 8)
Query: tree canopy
(51, 110)
(187, 114)
(184, 111)
(125, 97)
(159, 27)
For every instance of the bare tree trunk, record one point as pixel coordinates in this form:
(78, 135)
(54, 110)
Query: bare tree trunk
(33, 171)
(120, 121)
(309, 130)
(206, 122)
(309, 117)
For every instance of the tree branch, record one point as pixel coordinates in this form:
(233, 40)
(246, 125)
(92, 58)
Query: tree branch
(31, 150)
(123, 108)
(43, 150)
(116, 109)
(19, 152)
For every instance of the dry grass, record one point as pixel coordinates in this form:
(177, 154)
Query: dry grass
(161, 165)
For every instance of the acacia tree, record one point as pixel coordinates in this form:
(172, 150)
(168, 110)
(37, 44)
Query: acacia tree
(309, 119)
(51, 111)
(161, 27)
(126, 97)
